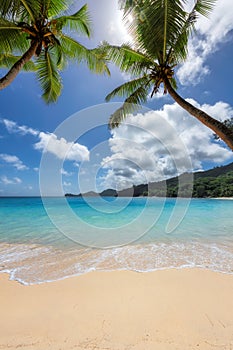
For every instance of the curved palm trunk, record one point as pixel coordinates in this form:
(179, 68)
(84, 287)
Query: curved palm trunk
(219, 128)
(13, 72)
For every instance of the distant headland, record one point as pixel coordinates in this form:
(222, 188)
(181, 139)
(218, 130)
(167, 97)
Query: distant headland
(216, 182)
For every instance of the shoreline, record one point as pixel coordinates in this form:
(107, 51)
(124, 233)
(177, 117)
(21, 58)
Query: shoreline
(38, 264)
(119, 310)
(171, 268)
(224, 198)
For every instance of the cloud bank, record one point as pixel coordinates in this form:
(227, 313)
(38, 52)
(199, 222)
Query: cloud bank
(211, 33)
(160, 144)
(61, 148)
(48, 142)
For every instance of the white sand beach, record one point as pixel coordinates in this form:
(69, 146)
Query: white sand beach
(120, 310)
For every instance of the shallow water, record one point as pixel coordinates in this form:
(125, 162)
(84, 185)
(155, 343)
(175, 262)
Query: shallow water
(56, 238)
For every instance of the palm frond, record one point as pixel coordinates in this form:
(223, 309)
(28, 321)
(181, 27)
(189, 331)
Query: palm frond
(11, 37)
(131, 6)
(29, 7)
(48, 76)
(128, 88)
(173, 83)
(79, 22)
(20, 10)
(9, 7)
(128, 59)
(179, 46)
(30, 10)
(12, 8)
(139, 96)
(74, 50)
(121, 114)
(131, 104)
(155, 26)
(126, 5)
(60, 57)
(52, 8)
(8, 60)
(204, 7)
(41, 22)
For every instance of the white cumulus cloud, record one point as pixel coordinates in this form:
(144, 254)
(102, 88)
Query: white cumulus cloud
(13, 127)
(61, 148)
(6, 181)
(14, 161)
(161, 144)
(211, 33)
(66, 173)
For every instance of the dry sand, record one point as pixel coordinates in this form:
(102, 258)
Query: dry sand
(121, 310)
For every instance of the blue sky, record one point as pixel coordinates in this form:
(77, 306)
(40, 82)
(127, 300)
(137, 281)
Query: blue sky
(90, 157)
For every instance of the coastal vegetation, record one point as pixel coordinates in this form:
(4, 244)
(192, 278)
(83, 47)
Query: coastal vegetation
(33, 36)
(216, 182)
(203, 187)
(160, 31)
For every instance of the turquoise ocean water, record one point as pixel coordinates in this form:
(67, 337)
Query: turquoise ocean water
(51, 239)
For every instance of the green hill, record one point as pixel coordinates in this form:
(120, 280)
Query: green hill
(216, 182)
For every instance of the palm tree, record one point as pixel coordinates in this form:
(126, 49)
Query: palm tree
(160, 29)
(32, 36)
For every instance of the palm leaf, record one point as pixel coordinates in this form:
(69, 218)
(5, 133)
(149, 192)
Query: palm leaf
(61, 61)
(127, 59)
(7, 61)
(139, 96)
(162, 22)
(128, 88)
(179, 47)
(74, 50)
(10, 8)
(51, 8)
(126, 5)
(33, 20)
(48, 76)
(131, 6)
(131, 104)
(33, 10)
(121, 113)
(173, 83)
(11, 37)
(204, 7)
(29, 8)
(79, 22)
(20, 9)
